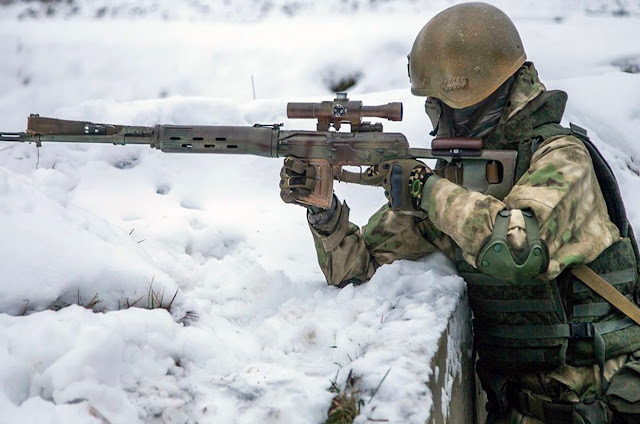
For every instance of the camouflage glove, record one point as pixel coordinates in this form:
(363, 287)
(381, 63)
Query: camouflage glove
(297, 180)
(403, 180)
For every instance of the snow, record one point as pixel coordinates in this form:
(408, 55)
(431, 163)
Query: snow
(256, 10)
(254, 333)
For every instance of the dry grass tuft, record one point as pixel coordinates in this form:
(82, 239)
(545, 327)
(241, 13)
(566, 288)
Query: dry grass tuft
(346, 404)
(153, 299)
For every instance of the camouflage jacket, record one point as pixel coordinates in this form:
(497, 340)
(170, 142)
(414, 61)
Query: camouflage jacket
(560, 187)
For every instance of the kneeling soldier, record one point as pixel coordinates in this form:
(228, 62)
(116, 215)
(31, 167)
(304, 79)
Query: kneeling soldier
(550, 349)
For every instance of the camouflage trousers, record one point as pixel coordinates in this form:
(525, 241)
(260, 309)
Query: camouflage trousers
(619, 405)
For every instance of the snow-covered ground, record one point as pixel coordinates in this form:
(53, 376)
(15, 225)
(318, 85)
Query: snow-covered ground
(254, 334)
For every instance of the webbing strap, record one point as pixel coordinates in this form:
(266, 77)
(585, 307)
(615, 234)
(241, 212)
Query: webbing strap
(569, 330)
(594, 309)
(493, 306)
(528, 331)
(607, 291)
(516, 355)
(611, 326)
(617, 299)
(615, 277)
(486, 280)
(599, 353)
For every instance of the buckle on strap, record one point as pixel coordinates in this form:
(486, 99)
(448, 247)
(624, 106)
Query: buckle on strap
(581, 330)
(589, 330)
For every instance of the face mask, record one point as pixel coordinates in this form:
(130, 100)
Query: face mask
(474, 121)
(433, 109)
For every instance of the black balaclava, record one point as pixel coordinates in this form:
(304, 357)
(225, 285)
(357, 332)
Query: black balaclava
(473, 121)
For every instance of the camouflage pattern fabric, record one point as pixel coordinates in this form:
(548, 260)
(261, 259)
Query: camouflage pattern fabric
(346, 252)
(623, 395)
(562, 190)
(560, 187)
(573, 384)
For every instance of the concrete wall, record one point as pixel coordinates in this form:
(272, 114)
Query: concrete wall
(457, 396)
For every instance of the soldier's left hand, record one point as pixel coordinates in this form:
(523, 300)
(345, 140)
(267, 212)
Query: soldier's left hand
(403, 180)
(297, 180)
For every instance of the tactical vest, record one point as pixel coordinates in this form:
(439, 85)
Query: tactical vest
(540, 325)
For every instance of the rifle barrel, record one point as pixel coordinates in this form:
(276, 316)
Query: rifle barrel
(119, 138)
(15, 136)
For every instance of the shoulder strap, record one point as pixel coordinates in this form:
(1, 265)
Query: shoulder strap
(610, 189)
(607, 180)
(607, 291)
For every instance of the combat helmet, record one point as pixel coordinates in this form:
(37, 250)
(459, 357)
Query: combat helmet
(464, 53)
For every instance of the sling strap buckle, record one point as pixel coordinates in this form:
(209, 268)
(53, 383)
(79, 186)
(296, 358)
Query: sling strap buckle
(581, 330)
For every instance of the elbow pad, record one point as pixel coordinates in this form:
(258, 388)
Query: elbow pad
(497, 258)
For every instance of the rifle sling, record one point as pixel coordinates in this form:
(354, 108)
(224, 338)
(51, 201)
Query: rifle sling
(607, 291)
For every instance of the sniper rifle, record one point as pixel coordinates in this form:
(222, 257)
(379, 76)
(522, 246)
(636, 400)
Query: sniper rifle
(328, 149)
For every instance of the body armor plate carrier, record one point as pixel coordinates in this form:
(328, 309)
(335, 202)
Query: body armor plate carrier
(540, 325)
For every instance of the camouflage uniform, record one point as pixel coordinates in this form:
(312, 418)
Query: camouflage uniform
(559, 186)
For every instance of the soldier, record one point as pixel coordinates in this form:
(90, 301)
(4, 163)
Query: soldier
(550, 349)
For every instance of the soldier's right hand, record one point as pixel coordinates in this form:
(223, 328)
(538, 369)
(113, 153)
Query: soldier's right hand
(297, 180)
